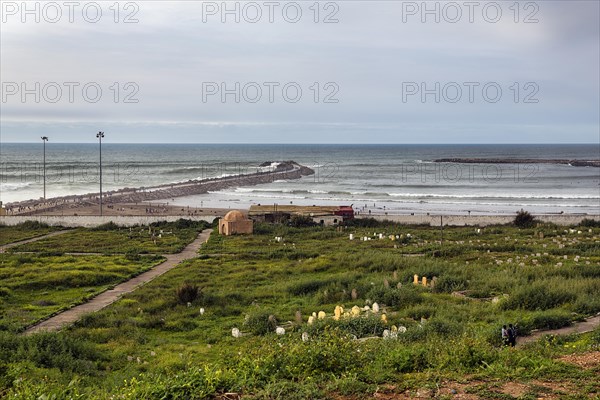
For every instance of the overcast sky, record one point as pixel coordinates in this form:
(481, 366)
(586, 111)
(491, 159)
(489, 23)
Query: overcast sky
(487, 78)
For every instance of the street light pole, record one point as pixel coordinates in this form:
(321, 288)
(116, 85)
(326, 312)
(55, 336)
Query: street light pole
(100, 135)
(44, 140)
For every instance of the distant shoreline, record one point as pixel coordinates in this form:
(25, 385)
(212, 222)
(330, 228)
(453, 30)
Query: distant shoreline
(573, 163)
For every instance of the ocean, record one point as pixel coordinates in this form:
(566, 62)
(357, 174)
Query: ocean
(394, 179)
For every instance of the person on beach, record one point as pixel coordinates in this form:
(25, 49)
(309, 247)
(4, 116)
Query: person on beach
(504, 336)
(512, 335)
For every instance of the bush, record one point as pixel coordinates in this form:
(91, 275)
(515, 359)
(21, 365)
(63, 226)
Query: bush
(363, 223)
(553, 319)
(537, 297)
(33, 225)
(449, 284)
(392, 297)
(109, 226)
(260, 323)
(301, 221)
(524, 219)
(187, 293)
(132, 255)
(590, 223)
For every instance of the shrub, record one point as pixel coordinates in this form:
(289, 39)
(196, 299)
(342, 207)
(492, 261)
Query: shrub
(132, 255)
(33, 225)
(537, 297)
(449, 284)
(187, 293)
(301, 221)
(109, 226)
(363, 223)
(590, 223)
(552, 319)
(409, 359)
(260, 323)
(392, 297)
(587, 305)
(524, 219)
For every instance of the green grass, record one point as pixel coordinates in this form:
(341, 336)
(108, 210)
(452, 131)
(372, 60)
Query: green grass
(24, 231)
(158, 238)
(150, 345)
(33, 287)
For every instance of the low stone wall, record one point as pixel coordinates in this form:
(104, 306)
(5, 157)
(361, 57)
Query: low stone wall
(92, 221)
(479, 220)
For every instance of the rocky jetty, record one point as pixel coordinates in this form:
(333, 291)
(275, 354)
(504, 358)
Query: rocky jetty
(574, 163)
(266, 173)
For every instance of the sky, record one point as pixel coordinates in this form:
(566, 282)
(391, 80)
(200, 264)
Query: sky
(300, 72)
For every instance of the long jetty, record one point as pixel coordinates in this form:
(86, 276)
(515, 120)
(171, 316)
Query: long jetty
(283, 171)
(573, 163)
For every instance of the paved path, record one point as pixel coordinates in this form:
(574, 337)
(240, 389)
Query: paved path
(35, 239)
(579, 327)
(104, 299)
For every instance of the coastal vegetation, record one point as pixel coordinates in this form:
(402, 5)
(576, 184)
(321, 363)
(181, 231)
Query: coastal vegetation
(24, 231)
(398, 310)
(157, 238)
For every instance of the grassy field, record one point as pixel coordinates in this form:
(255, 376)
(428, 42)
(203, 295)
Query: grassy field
(157, 343)
(34, 287)
(27, 230)
(158, 238)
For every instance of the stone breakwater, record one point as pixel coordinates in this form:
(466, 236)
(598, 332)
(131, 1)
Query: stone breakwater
(283, 171)
(573, 163)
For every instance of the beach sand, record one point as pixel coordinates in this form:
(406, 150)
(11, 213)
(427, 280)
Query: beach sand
(129, 209)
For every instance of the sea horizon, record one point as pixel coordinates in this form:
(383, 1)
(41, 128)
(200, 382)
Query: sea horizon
(397, 178)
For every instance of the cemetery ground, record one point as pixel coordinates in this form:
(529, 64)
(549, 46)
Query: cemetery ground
(207, 328)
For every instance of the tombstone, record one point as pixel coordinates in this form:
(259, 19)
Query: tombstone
(398, 285)
(384, 318)
(395, 275)
(304, 337)
(202, 310)
(354, 294)
(311, 320)
(541, 235)
(386, 333)
(375, 308)
(416, 279)
(351, 236)
(321, 315)
(235, 332)
(424, 281)
(280, 330)
(298, 317)
(355, 312)
(386, 284)
(402, 329)
(433, 281)
(337, 313)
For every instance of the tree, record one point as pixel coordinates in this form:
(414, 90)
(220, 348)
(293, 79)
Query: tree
(524, 219)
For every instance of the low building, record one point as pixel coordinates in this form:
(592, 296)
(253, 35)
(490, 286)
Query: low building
(329, 215)
(327, 220)
(235, 223)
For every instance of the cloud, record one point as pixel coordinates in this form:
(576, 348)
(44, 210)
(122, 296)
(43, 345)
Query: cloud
(364, 61)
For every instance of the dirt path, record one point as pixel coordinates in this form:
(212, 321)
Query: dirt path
(579, 327)
(67, 317)
(35, 239)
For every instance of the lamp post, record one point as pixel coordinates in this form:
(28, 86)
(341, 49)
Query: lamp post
(100, 135)
(44, 140)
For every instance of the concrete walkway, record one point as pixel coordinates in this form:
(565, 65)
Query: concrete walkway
(104, 299)
(579, 327)
(35, 239)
